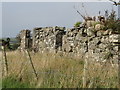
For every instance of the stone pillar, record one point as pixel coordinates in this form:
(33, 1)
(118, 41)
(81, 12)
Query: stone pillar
(36, 37)
(25, 39)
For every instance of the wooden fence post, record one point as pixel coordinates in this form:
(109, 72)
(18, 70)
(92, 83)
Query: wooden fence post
(36, 75)
(5, 61)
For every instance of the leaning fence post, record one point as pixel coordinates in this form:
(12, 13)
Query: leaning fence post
(36, 75)
(5, 61)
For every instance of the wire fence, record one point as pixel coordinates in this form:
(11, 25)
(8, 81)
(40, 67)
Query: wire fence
(91, 72)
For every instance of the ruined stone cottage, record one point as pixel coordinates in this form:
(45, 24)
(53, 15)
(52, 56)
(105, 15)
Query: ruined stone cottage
(91, 42)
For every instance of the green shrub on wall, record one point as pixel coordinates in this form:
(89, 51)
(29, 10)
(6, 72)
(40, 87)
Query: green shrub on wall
(112, 23)
(77, 24)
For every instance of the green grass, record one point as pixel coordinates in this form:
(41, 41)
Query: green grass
(0, 83)
(13, 82)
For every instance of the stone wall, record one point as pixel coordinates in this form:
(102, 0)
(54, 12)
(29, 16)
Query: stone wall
(25, 39)
(91, 42)
(48, 39)
(96, 45)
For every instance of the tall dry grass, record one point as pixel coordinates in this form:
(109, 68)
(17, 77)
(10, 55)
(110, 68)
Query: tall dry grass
(61, 71)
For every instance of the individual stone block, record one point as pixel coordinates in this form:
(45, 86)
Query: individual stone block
(107, 32)
(102, 46)
(114, 38)
(105, 39)
(99, 27)
(100, 33)
(90, 23)
(90, 31)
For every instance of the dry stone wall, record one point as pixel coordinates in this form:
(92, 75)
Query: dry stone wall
(91, 42)
(88, 43)
(25, 39)
(48, 39)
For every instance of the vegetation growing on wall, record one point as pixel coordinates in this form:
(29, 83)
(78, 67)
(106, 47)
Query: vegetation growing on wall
(77, 24)
(112, 23)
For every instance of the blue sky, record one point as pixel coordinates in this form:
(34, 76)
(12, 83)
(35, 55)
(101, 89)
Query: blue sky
(28, 15)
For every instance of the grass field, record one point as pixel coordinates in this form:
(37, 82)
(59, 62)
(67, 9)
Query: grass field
(57, 71)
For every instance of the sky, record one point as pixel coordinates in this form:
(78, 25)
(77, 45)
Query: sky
(17, 16)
